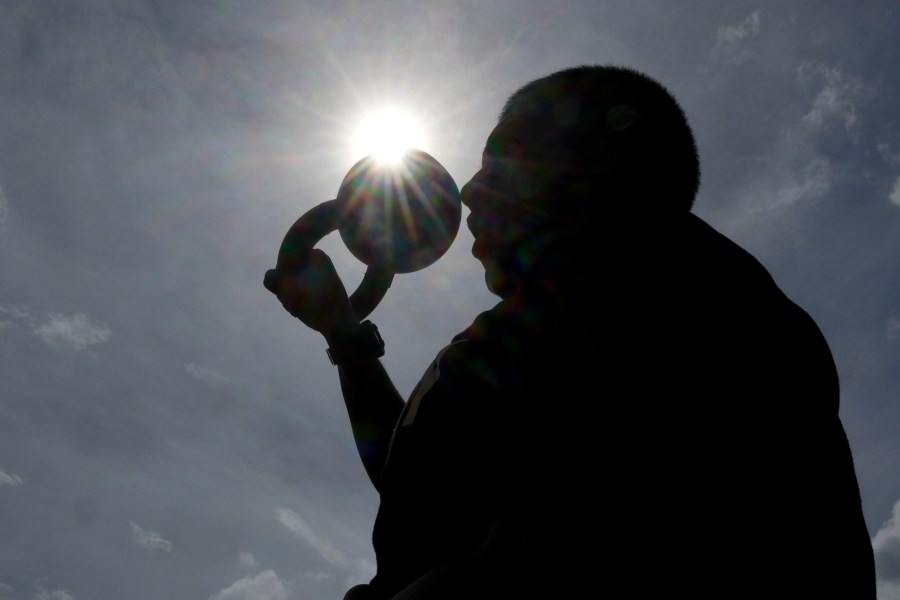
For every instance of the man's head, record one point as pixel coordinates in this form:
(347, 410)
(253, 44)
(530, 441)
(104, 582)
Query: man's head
(569, 148)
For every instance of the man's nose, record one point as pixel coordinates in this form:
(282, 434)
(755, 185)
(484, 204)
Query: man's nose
(467, 192)
(474, 191)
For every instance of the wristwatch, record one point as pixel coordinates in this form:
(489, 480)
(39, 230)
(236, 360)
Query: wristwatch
(365, 343)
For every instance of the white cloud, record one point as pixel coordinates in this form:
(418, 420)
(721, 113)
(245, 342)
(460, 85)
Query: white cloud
(247, 561)
(895, 193)
(44, 594)
(837, 98)
(148, 539)
(76, 332)
(296, 525)
(734, 42)
(207, 375)
(797, 168)
(10, 479)
(265, 586)
(886, 545)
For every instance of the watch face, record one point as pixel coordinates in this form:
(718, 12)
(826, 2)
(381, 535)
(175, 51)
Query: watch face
(399, 217)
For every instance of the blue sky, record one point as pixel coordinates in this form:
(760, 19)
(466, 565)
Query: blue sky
(167, 431)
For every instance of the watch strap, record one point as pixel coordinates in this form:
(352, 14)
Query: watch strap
(365, 343)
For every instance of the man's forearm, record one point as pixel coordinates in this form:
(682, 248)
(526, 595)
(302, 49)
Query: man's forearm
(373, 405)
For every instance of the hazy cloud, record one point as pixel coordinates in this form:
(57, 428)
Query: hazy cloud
(44, 594)
(809, 180)
(16, 312)
(893, 327)
(4, 590)
(886, 545)
(76, 332)
(891, 157)
(10, 479)
(888, 154)
(895, 193)
(148, 539)
(247, 561)
(734, 43)
(207, 375)
(837, 98)
(296, 525)
(265, 586)
(798, 167)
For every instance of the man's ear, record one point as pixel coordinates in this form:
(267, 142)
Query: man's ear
(620, 118)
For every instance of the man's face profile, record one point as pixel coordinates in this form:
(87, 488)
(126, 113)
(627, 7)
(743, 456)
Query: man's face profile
(514, 198)
(506, 199)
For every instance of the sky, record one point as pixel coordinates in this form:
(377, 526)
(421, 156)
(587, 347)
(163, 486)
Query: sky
(168, 431)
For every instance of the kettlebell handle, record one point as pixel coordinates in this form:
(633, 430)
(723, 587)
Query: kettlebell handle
(302, 237)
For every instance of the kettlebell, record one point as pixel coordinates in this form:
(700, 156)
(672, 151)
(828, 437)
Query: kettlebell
(395, 218)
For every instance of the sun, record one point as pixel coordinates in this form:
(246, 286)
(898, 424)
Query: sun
(386, 134)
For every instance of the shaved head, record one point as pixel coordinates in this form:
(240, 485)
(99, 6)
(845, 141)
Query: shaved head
(621, 126)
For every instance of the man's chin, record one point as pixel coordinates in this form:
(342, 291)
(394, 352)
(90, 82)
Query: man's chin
(497, 282)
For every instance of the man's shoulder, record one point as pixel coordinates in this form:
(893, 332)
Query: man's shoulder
(694, 262)
(708, 245)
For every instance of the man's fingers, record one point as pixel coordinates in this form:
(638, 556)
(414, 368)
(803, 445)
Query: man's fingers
(270, 281)
(314, 293)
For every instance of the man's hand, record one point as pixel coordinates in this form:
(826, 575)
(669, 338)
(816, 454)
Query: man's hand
(315, 295)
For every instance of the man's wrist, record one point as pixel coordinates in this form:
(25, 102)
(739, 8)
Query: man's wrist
(362, 343)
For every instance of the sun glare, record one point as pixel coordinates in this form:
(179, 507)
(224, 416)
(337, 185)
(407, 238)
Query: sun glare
(387, 134)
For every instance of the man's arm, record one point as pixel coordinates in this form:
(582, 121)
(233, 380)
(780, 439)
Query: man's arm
(373, 405)
(316, 296)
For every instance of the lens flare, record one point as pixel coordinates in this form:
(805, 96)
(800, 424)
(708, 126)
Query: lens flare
(400, 217)
(386, 134)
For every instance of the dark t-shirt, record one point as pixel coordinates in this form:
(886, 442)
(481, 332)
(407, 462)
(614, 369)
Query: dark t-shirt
(648, 412)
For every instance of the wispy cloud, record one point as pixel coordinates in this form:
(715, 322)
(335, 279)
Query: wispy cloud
(4, 590)
(886, 545)
(265, 586)
(888, 153)
(296, 525)
(838, 95)
(798, 167)
(9, 315)
(16, 312)
(810, 178)
(207, 375)
(148, 539)
(891, 156)
(76, 332)
(791, 174)
(894, 196)
(10, 479)
(44, 594)
(734, 43)
(893, 327)
(247, 561)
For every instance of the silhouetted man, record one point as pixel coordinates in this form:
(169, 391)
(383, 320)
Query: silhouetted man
(643, 413)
